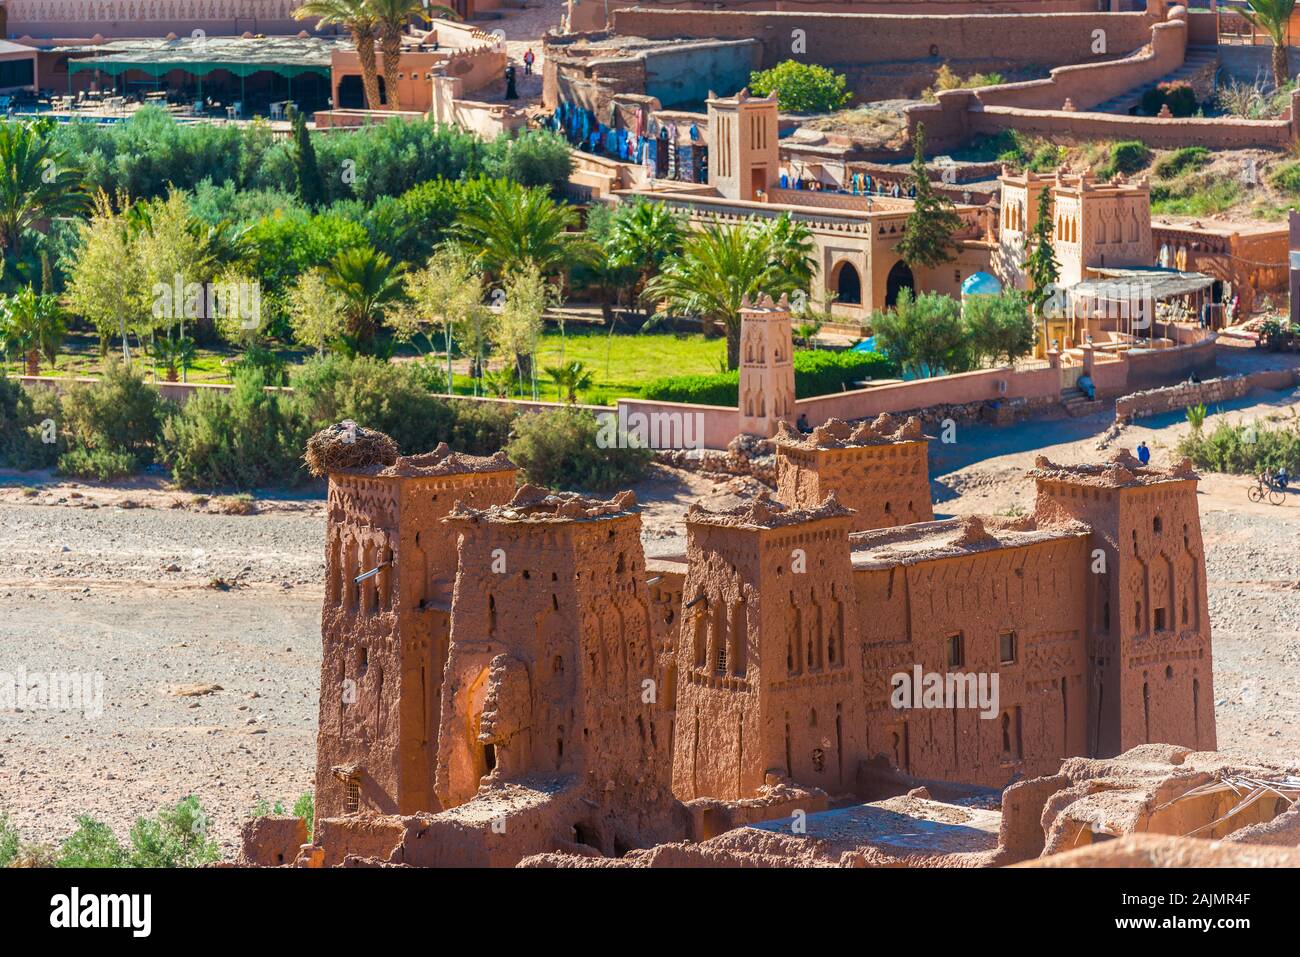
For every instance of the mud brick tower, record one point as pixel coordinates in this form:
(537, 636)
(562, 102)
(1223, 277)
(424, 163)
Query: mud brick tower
(766, 366)
(389, 568)
(1149, 625)
(744, 155)
(880, 470)
(550, 658)
(766, 657)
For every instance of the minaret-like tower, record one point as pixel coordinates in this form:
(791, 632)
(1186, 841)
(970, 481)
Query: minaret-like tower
(766, 366)
(880, 470)
(1151, 670)
(389, 567)
(744, 160)
(551, 674)
(768, 654)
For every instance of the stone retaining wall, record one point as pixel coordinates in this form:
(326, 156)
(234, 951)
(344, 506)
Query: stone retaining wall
(1208, 393)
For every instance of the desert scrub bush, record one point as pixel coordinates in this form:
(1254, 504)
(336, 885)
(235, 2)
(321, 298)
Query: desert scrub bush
(946, 78)
(480, 428)
(562, 449)
(1252, 101)
(28, 418)
(304, 808)
(174, 837)
(1127, 157)
(111, 425)
(245, 438)
(9, 841)
(1177, 95)
(1196, 194)
(384, 396)
(1241, 449)
(1286, 177)
(1196, 416)
(1182, 160)
(92, 844)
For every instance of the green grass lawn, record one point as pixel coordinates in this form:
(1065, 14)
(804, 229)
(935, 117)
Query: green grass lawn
(623, 364)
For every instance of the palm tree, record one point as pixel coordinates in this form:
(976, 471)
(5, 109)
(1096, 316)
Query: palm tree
(719, 265)
(32, 324)
(1274, 18)
(369, 282)
(642, 236)
(35, 182)
(393, 16)
(357, 17)
(571, 377)
(515, 225)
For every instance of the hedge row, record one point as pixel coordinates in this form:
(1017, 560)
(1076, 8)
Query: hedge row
(816, 372)
(250, 438)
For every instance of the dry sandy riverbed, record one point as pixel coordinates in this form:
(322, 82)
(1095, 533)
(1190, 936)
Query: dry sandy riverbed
(157, 591)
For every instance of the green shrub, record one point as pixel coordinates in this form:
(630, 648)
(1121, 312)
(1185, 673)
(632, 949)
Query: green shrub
(23, 437)
(100, 465)
(801, 87)
(305, 808)
(1126, 157)
(536, 158)
(1240, 449)
(1178, 96)
(560, 448)
(480, 428)
(379, 395)
(175, 837)
(820, 372)
(245, 438)
(9, 841)
(718, 388)
(1181, 160)
(112, 425)
(816, 372)
(92, 844)
(1286, 177)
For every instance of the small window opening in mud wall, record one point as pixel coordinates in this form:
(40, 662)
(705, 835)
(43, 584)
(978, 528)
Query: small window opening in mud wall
(584, 833)
(1007, 647)
(351, 797)
(489, 757)
(819, 760)
(956, 651)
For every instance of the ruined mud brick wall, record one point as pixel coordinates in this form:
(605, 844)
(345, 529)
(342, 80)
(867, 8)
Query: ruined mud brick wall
(385, 639)
(1208, 393)
(1149, 657)
(956, 581)
(550, 652)
(767, 676)
(855, 40)
(880, 470)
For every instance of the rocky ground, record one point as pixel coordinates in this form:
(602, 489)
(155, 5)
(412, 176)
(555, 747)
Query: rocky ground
(204, 623)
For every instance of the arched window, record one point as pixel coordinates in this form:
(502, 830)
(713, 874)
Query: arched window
(848, 284)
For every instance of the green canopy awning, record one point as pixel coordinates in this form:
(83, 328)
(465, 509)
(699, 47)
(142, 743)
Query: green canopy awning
(284, 56)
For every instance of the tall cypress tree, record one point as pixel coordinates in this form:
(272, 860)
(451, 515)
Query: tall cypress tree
(311, 185)
(1041, 268)
(927, 236)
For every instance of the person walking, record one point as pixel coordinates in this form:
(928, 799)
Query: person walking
(529, 59)
(1144, 453)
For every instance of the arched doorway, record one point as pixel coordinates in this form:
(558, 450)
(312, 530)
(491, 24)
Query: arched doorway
(352, 92)
(848, 284)
(900, 278)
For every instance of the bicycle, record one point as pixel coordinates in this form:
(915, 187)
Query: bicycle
(1266, 488)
